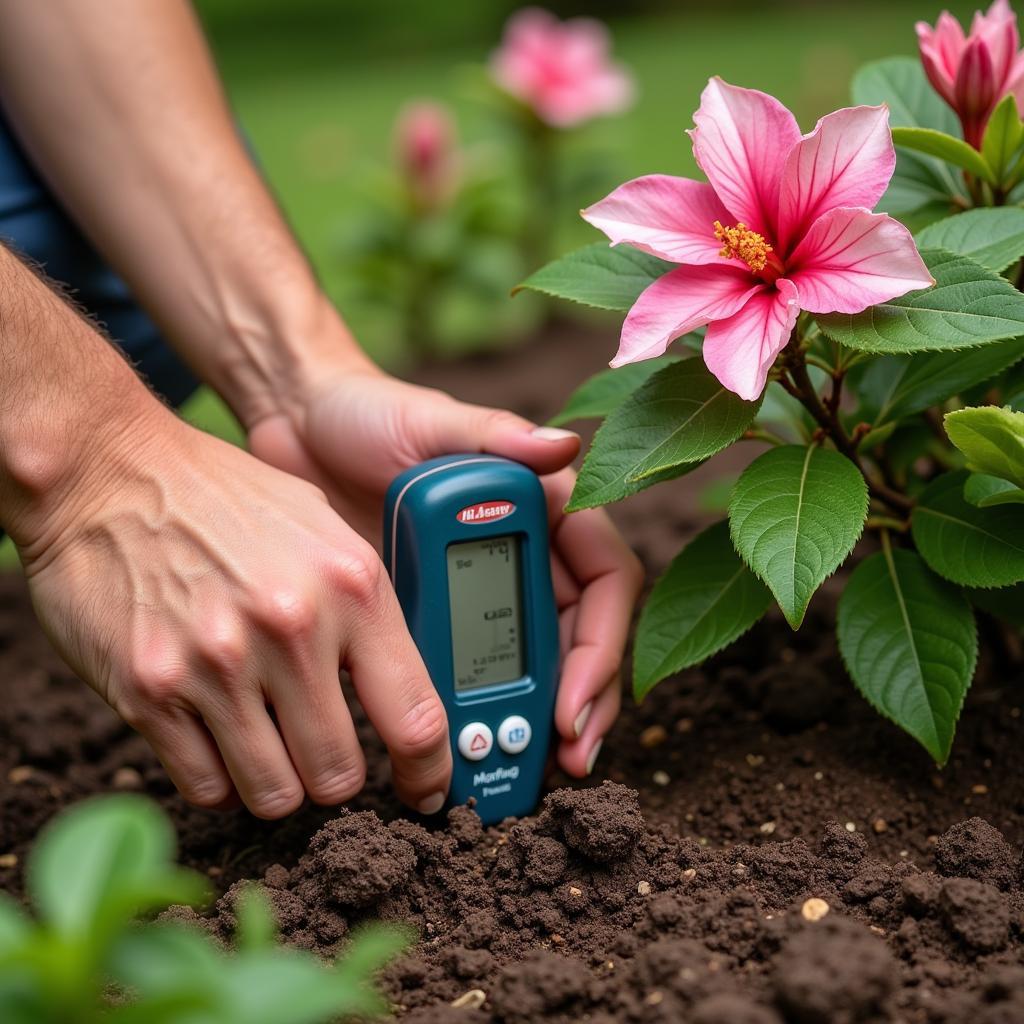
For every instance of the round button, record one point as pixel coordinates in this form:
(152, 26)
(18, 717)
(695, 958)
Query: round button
(475, 741)
(514, 734)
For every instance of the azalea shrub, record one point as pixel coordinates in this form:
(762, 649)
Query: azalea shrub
(849, 298)
(84, 957)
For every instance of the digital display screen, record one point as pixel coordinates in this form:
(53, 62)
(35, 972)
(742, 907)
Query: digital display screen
(484, 594)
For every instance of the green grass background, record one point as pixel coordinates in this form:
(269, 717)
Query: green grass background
(316, 85)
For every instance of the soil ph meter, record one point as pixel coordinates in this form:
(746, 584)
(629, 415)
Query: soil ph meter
(466, 544)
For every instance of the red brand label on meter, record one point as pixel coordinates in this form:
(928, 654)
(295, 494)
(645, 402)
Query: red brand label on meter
(485, 512)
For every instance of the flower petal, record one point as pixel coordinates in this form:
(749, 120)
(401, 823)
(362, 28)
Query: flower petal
(741, 143)
(739, 351)
(852, 259)
(669, 217)
(681, 301)
(846, 161)
(976, 90)
(941, 48)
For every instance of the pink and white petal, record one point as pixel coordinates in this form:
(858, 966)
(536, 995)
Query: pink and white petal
(670, 217)
(680, 301)
(741, 143)
(740, 350)
(846, 161)
(998, 27)
(940, 52)
(852, 259)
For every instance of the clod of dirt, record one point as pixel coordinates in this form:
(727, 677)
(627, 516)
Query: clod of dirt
(976, 913)
(730, 1009)
(603, 824)
(974, 849)
(542, 983)
(361, 859)
(833, 972)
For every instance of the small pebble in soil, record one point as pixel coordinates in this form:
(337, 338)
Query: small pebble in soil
(768, 828)
(653, 736)
(19, 774)
(851, 827)
(661, 778)
(643, 888)
(8, 860)
(880, 825)
(814, 909)
(127, 778)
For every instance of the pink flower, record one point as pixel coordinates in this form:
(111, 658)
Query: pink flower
(972, 74)
(785, 224)
(560, 69)
(426, 150)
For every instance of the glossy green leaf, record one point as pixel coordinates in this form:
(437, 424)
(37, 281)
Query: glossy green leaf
(1003, 136)
(991, 438)
(893, 387)
(596, 397)
(706, 599)
(993, 237)
(989, 491)
(973, 546)
(910, 644)
(598, 275)
(680, 416)
(967, 306)
(946, 147)
(796, 513)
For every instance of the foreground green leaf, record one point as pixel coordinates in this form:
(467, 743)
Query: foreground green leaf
(598, 275)
(680, 416)
(894, 387)
(967, 306)
(945, 147)
(909, 642)
(973, 546)
(796, 513)
(607, 390)
(991, 438)
(993, 237)
(1003, 136)
(706, 599)
(989, 491)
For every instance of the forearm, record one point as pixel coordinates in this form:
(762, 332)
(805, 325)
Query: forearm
(120, 107)
(65, 393)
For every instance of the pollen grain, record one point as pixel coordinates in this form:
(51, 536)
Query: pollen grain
(743, 244)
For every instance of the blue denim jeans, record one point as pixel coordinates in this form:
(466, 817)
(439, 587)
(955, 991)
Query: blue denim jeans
(33, 222)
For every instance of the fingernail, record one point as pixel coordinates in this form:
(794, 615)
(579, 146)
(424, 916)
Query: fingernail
(431, 804)
(554, 434)
(595, 750)
(581, 719)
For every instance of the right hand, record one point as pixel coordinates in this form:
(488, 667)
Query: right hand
(210, 599)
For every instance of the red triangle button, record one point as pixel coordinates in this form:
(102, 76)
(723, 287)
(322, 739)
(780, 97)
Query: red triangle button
(479, 742)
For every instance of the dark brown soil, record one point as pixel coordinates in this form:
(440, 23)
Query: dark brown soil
(675, 892)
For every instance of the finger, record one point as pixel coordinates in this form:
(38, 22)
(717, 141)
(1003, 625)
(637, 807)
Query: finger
(189, 755)
(578, 756)
(254, 754)
(394, 688)
(567, 590)
(459, 427)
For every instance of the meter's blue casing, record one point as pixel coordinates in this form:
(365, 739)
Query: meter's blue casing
(421, 519)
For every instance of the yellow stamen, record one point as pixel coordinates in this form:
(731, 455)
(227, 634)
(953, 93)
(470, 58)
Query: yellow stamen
(743, 244)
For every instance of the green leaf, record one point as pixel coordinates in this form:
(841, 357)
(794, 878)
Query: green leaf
(945, 147)
(894, 387)
(968, 306)
(922, 188)
(975, 547)
(14, 926)
(706, 599)
(909, 641)
(680, 416)
(989, 491)
(596, 397)
(256, 927)
(993, 237)
(991, 438)
(598, 275)
(796, 513)
(103, 861)
(1003, 137)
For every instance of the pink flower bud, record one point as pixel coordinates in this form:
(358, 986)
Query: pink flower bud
(426, 149)
(560, 69)
(972, 73)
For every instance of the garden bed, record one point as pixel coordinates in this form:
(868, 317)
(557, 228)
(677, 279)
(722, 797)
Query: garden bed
(738, 792)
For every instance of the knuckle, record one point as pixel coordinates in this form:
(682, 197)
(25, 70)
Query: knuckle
(277, 802)
(360, 576)
(339, 782)
(157, 682)
(288, 612)
(422, 729)
(224, 650)
(206, 792)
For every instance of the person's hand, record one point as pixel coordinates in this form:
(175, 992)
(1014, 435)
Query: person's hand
(210, 599)
(356, 429)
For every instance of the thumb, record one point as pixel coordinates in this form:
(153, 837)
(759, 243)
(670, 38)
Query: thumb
(474, 428)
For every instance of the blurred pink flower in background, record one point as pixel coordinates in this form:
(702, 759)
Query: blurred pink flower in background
(560, 69)
(973, 73)
(784, 223)
(426, 147)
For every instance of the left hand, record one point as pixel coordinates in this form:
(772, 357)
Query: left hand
(358, 428)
